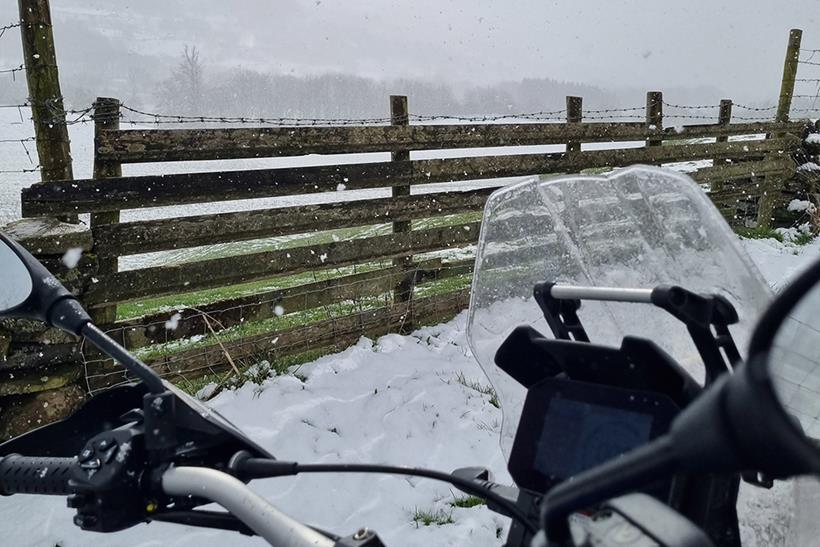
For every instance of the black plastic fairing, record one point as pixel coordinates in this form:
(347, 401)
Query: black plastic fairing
(198, 430)
(529, 357)
(66, 438)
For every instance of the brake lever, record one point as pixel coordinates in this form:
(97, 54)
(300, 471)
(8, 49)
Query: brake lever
(205, 519)
(481, 475)
(756, 478)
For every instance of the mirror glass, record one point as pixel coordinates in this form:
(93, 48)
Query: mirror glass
(795, 362)
(15, 280)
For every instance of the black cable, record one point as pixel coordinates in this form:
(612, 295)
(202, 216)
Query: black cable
(260, 468)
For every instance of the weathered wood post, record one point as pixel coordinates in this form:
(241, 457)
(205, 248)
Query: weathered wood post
(106, 118)
(784, 103)
(772, 185)
(654, 115)
(575, 114)
(45, 97)
(403, 292)
(724, 118)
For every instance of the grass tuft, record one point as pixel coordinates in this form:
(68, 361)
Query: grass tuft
(479, 387)
(803, 239)
(429, 517)
(759, 232)
(467, 502)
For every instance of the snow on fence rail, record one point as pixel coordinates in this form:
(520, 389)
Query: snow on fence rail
(347, 268)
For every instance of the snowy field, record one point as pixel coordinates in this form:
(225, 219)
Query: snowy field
(394, 400)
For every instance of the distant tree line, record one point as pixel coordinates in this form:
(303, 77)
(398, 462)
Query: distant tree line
(194, 89)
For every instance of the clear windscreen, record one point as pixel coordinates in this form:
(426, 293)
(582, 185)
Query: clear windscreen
(636, 228)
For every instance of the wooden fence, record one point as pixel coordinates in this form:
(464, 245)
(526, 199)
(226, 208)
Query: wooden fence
(379, 264)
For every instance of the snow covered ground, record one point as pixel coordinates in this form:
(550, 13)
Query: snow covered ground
(396, 400)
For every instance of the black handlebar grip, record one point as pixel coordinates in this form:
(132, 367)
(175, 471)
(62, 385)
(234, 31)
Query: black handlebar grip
(34, 475)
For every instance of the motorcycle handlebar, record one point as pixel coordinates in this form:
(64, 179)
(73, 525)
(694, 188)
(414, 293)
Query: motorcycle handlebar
(260, 516)
(35, 475)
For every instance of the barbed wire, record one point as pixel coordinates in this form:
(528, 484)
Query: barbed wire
(157, 118)
(691, 107)
(10, 26)
(811, 51)
(25, 139)
(28, 154)
(814, 63)
(18, 171)
(715, 118)
(13, 71)
(754, 108)
(85, 115)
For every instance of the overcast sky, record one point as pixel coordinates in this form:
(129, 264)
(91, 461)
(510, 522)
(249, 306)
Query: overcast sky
(737, 46)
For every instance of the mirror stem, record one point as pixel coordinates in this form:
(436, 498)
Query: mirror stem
(633, 470)
(136, 367)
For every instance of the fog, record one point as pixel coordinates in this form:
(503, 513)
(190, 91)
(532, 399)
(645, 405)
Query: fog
(326, 58)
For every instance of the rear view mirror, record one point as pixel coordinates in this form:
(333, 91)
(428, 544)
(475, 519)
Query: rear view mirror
(793, 358)
(769, 411)
(15, 279)
(29, 291)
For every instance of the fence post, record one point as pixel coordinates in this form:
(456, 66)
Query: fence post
(403, 292)
(724, 118)
(45, 97)
(106, 117)
(654, 114)
(784, 103)
(575, 113)
(765, 205)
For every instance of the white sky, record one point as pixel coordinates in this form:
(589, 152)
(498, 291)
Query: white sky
(736, 46)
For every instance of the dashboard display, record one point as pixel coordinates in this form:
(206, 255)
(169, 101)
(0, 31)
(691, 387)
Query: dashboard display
(567, 427)
(598, 433)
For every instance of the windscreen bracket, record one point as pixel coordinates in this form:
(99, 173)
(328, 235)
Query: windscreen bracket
(706, 316)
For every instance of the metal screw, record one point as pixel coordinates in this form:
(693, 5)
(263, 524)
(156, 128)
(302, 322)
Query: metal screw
(361, 534)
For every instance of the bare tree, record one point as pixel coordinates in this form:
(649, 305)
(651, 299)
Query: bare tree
(184, 91)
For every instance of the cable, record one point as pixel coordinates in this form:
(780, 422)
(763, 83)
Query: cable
(260, 468)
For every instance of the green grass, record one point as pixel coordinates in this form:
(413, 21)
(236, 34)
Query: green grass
(467, 502)
(803, 239)
(130, 310)
(171, 303)
(289, 364)
(257, 328)
(759, 232)
(771, 233)
(430, 517)
(479, 387)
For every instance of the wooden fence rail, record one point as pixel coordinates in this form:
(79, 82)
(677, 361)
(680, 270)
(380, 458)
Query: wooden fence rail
(111, 194)
(163, 145)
